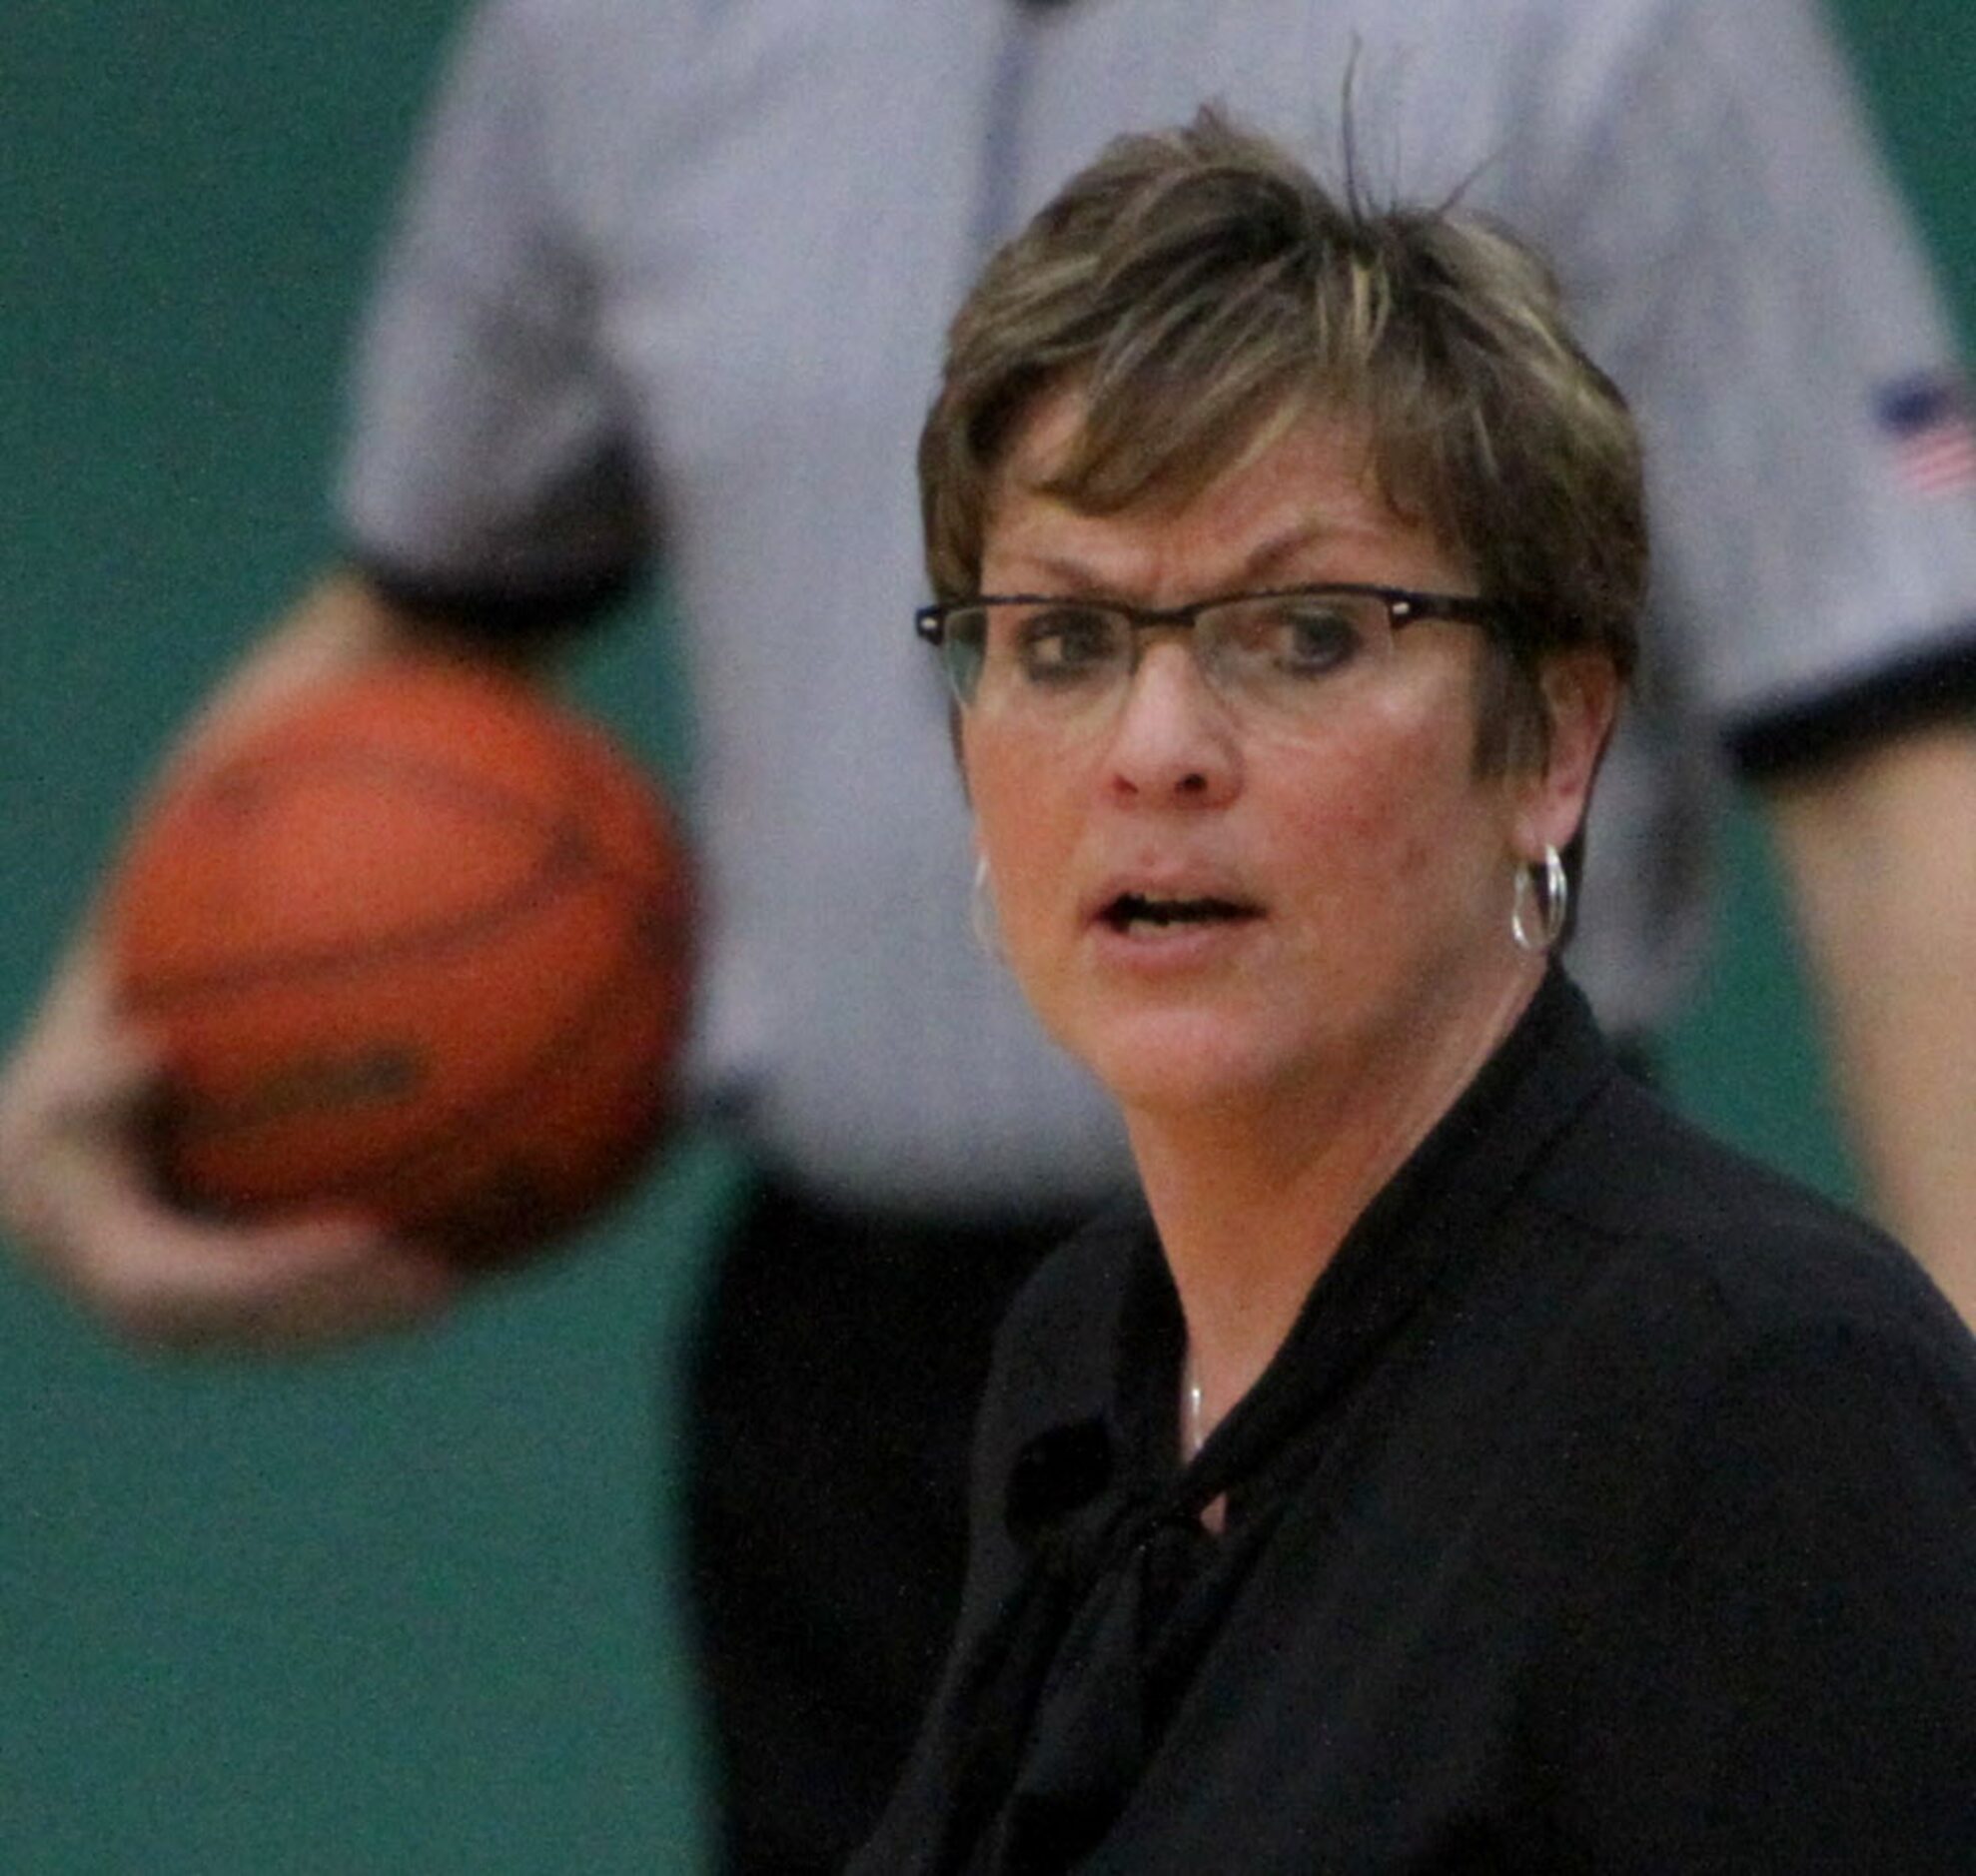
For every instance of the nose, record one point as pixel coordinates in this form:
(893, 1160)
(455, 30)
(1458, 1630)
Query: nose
(1173, 742)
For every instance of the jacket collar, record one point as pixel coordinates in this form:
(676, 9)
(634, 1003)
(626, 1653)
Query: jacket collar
(1106, 1432)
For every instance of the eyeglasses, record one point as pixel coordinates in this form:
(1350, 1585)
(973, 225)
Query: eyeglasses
(1292, 653)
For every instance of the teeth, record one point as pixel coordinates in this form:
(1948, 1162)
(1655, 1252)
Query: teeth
(1134, 908)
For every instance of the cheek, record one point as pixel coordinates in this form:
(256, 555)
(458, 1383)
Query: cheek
(1024, 832)
(1376, 826)
(1350, 799)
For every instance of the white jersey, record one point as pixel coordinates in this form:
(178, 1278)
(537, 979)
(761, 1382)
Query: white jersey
(671, 281)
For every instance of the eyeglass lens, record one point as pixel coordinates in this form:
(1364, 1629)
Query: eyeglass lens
(1057, 660)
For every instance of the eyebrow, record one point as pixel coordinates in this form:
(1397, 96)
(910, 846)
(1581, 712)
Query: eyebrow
(1075, 577)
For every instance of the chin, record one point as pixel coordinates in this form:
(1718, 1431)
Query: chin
(1180, 1061)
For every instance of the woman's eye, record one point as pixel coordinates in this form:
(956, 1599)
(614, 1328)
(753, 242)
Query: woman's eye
(1067, 644)
(1314, 640)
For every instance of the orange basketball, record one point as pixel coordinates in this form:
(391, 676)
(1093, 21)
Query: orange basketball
(420, 947)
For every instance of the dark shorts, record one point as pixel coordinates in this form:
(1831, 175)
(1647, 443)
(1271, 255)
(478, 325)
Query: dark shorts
(833, 1386)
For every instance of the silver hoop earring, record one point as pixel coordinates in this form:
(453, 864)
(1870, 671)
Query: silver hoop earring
(1552, 901)
(981, 911)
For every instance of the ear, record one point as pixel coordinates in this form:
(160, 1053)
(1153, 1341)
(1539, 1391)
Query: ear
(1581, 700)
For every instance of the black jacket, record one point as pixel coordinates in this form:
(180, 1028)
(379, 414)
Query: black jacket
(1610, 1506)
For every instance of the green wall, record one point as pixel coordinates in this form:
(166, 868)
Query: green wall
(396, 1610)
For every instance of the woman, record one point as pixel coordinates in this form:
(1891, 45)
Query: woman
(1456, 1463)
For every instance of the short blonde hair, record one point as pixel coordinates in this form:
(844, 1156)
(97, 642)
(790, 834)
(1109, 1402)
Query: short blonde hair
(1199, 288)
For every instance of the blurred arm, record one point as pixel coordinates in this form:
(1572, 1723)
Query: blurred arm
(1880, 851)
(340, 625)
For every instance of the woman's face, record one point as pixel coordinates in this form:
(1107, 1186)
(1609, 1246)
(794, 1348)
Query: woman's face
(1342, 887)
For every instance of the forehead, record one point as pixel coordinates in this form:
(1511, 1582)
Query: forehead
(1303, 485)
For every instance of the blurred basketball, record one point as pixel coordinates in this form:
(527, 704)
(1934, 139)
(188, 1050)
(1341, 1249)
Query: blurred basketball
(420, 947)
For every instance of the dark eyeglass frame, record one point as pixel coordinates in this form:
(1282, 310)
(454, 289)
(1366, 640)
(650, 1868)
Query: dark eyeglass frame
(1405, 605)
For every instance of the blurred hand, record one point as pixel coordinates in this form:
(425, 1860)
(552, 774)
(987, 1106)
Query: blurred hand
(75, 1195)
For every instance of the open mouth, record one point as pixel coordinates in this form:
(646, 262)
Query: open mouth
(1136, 911)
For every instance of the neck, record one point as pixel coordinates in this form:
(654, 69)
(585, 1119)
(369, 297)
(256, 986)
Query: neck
(1253, 1200)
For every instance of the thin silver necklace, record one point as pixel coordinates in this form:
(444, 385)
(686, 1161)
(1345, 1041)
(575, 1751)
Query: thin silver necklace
(1191, 1435)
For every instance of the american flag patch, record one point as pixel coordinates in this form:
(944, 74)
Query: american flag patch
(1925, 421)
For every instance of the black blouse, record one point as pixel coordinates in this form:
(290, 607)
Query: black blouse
(1611, 1505)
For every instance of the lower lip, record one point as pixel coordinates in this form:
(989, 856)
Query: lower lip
(1176, 948)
